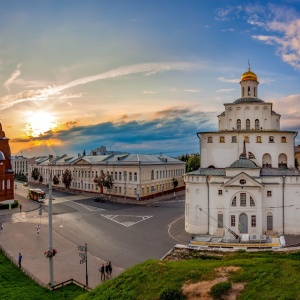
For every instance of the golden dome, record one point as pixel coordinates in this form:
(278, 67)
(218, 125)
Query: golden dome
(249, 76)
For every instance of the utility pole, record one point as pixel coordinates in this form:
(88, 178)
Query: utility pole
(50, 230)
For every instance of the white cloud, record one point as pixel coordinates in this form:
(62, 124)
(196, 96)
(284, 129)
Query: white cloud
(192, 91)
(229, 29)
(233, 80)
(13, 77)
(225, 90)
(149, 92)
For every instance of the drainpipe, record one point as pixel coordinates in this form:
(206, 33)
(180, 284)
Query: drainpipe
(283, 183)
(208, 212)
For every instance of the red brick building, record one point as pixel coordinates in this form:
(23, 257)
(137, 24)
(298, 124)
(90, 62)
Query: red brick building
(6, 173)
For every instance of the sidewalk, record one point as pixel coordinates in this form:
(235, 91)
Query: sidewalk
(20, 236)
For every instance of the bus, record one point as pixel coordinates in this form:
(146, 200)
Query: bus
(36, 195)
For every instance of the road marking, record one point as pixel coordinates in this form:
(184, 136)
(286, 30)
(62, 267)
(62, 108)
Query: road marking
(170, 201)
(88, 207)
(169, 227)
(126, 220)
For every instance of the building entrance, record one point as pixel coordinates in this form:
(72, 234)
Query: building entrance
(243, 223)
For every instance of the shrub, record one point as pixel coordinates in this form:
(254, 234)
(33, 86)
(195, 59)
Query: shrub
(219, 289)
(6, 206)
(170, 294)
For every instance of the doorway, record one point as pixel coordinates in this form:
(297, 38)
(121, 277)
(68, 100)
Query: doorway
(243, 223)
(269, 221)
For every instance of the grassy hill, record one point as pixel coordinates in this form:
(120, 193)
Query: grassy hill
(264, 275)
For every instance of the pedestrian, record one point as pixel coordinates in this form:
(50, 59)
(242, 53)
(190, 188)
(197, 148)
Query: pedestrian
(110, 269)
(20, 260)
(107, 271)
(38, 229)
(102, 272)
(20, 207)
(1, 226)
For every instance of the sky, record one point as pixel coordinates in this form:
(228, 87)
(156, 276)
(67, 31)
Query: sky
(140, 76)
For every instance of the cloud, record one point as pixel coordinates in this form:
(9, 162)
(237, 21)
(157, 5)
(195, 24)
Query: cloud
(192, 91)
(149, 92)
(229, 29)
(229, 12)
(44, 94)
(233, 80)
(170, 129)
(13, 77)
(225, 90)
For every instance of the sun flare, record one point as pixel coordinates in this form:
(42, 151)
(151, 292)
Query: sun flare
(39, 122)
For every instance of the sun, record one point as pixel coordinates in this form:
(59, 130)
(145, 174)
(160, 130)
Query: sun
(39, 122)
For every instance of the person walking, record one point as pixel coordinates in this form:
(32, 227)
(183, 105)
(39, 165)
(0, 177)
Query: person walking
(1, 226)
(102, 272)
(38, 229)
(20, 207)
(20, 260)
(109, 269)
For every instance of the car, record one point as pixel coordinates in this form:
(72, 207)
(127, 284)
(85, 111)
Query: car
(99, 199)
(25, 184)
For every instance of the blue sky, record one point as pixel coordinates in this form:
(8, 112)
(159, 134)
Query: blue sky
(139, 76)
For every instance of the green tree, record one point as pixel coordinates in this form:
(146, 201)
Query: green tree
(193, 162)
(175, 184)
(41, 179)
(104, 180)
(67, 178)
(35, 174)
(55, 180)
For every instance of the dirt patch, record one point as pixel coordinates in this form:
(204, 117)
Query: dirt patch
(200, 290)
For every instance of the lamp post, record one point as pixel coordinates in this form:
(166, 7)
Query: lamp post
(50, 230)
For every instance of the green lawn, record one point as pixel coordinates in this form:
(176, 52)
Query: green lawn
(16, 285)
(267, 275)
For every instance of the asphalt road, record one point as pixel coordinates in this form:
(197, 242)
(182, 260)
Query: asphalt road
(126, 234)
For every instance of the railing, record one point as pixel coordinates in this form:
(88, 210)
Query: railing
(59, 285)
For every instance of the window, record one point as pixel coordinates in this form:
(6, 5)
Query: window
(120, 190)
(252, 203)
(233, 139)
(222, 139)
(243, 91)
(116, 176)
(152, 189)
(283, 139)
(135, 176)
(125, 175)
(232, 221)
(258, 139)
(243, 181)
(116, 189)
(152, 175)
(247, 124)
(238, 124)
(242, 199)
(210, 139)
(271, 139)
(254, 92)
(130, 176)
(269, 193)
(246, 139)
(233, 203)
(220, 192)
(253, 221)
(256, 124)
(120, 176)
(248, 90)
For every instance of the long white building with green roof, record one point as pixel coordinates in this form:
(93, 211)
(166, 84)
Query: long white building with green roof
(247, 182)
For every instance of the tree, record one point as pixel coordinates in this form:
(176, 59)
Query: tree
(67, 178)
(175, 184)
(193, 162)
(41, 179)
(35, 174)
(104, 180)
(83, 154)
(55, 180)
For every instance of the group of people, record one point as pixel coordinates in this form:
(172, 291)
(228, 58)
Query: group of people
(105, 271)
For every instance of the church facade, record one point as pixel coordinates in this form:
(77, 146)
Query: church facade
(248, 182)
(6, 173)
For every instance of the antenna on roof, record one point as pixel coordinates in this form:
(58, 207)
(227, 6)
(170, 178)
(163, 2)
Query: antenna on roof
(248, 64)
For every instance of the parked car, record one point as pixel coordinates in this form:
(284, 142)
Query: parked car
(99, 199)
(25, 184)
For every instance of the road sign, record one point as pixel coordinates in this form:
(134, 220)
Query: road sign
(82, 261)
(82, 255)
(81, 248)
(40, 211)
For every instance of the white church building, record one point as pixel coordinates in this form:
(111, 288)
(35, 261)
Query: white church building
(247, 182)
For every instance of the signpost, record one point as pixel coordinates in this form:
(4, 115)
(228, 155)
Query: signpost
(83, 256)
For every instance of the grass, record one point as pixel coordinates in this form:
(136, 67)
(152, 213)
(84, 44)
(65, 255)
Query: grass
(267, 275)
(16, 285)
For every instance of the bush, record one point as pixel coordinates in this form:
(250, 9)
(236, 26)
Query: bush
(6, 206)
(219, 289)
(170, 294)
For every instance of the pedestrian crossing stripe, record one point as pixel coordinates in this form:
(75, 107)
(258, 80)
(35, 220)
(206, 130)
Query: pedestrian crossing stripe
(126, 220)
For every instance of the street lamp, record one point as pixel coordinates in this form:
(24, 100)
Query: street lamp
(50, 230)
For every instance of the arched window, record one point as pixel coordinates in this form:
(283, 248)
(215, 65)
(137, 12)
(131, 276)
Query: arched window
(267, 160)
(152, 175)
(254, 92)
(256, 124)
(282, 161)
(252, 203)
(283, 139)
(247, 124)
(238, 124)
(243, 91)
(210, 139)
(233, 203)
(8, 184)
(248, 90)
(222, 139)
(3, 185)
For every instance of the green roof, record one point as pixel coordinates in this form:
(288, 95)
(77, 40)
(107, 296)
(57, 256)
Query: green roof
(248, 100)
(244, 163)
